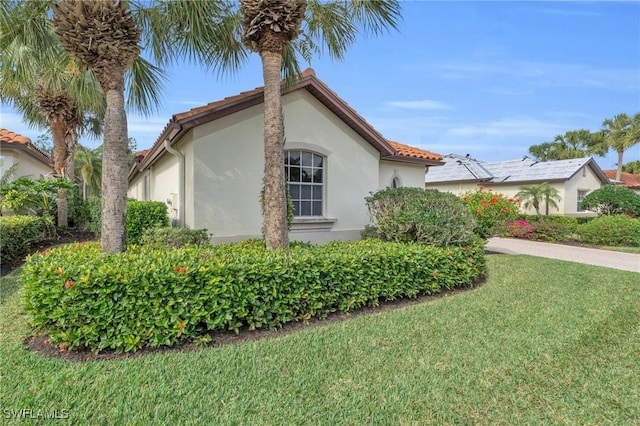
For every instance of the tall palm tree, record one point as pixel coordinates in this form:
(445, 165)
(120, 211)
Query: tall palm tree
(103, 36)
(533, 195)
(271, 29)
(619, 133)
(573, 144)
(40, 80)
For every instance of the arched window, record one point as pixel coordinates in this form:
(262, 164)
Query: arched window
(304, 171)
(395, 182)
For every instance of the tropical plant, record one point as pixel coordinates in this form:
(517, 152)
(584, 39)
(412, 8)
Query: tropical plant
(573, 144)
(88, 165)
(103, 36)
(612, 200)
(490, 210)
(270, 27)
(534, 195)
(632, 167)
(619, 133)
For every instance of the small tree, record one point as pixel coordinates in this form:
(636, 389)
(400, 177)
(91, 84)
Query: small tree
(612, 200)
(533, 195)
(490, 209)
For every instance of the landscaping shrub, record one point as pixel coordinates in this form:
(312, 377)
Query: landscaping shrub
(535, 230)
(83, 298)
(490, 210)
(569, 223)
(418, 215)
(141, 215)
(613, 200)
(174, 237)
(619, 230)
(17, 235)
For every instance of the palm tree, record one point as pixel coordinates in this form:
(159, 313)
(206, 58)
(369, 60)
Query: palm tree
(573, 144)
(103, 36)
(88, 166)
(270, 29)
(619, 133)
(40, 80)
(533, 195)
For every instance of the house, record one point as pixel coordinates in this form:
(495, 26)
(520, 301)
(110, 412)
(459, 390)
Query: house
(18, 149)
(208, 165)
(628, 180)
(573, 179)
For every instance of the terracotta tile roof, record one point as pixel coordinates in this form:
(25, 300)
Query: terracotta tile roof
(628, 180)
(141, 154)
(13, 140)
(8, 136)
(410, 151)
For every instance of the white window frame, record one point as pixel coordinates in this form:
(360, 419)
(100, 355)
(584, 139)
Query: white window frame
(311, 192)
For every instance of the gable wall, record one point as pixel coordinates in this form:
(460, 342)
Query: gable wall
(27, 165)
(411, 175)
(228, 167)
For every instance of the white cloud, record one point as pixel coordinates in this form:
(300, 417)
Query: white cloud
(423, 104)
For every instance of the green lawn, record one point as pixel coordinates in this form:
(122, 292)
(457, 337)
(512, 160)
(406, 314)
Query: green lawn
(542, 342)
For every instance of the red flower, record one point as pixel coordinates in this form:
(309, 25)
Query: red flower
(58, 271)
(511, 200)
(68, 284)
(484, 205)
(180, 269)
(494, 201)
(506, 210)
(478, 212)
(62, 347)
(464, 198)
(480, 187)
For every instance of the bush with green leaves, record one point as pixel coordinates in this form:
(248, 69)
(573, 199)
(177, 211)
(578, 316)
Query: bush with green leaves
(490, 210)
(418, 215)
(149, 297)
(141, 215)
(613, 200)
(174, 237)
(17, 235)
(569, 223)
(535, 230)
(618, 230)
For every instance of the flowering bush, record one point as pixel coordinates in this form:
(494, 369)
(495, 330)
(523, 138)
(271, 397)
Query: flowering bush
(535, 230)
(490, 210)
(517, 229)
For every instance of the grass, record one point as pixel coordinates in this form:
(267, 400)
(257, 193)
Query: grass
(542, 342)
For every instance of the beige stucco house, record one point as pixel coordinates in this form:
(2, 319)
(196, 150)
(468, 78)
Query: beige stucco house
(573, 179)
(208, 165)
(627, 180)
(18, 149)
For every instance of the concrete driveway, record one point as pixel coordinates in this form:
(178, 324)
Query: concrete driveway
(606, 258)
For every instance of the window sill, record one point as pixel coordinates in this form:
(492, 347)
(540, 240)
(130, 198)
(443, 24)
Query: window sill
(312, 223)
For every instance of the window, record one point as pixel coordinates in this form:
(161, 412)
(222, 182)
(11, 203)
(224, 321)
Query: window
(395, 182)
(581, 195)
(304, 172)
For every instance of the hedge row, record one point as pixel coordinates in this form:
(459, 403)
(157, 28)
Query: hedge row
(150, 297)
(141, 215)
(17, 235)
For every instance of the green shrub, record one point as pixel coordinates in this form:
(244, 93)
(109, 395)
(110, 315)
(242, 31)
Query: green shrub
(535, 230)
(174, 237)
(490, 210)
(17, 235)
(617, 230)
(569, 223)
(141, 215)
(84, 298)
(416, 215)
(613, 200)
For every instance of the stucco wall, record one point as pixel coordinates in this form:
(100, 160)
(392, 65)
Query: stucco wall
(228, 167)
(411, 175)
(27, 165)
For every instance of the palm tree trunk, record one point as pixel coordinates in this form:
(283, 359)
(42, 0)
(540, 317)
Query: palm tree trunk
(275, 203)
(619, 170)
(59, 160)
(114, 167)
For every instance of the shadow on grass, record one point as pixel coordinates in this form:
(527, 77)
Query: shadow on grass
(9, 285)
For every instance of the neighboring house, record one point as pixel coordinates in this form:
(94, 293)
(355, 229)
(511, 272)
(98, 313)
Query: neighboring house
(628, 180)
(208, 165)
(18, 149)
(573, 179)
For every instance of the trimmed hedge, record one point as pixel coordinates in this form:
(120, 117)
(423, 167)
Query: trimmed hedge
(17, 235)
(617, 230)
(83, 298)
(141, 215)
(168, 237)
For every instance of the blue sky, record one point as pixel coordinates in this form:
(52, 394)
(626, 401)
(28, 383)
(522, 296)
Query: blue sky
(487, 79)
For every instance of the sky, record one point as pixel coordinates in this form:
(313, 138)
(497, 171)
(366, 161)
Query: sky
(488, 79)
